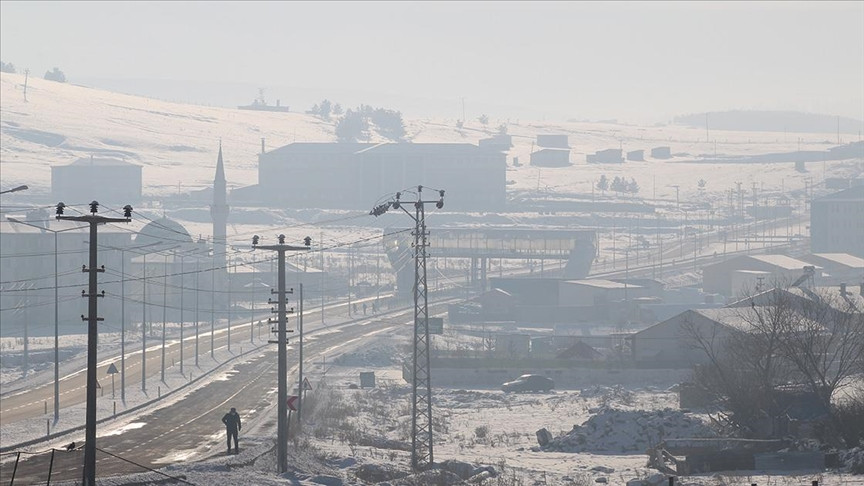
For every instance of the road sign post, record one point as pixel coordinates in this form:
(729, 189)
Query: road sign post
(112, 370)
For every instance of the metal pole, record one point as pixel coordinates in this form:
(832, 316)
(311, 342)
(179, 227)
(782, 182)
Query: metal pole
(213, 306)
(321, 280)
(123, 326)
(252, 320)
(182, 317)
(300, 326)
(144, 327)
(228, 276)
(197, 295)
(27, 317)
(50, 467)
(56, 338)
(349, 281)
(164, 313)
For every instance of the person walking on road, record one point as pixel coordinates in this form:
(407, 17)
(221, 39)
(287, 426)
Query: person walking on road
(232, 427)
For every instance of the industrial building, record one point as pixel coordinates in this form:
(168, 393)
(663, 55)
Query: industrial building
(608, 156)
(661, 153)
(749, 273)
(357, 175)
(552, 151)
(109, 181)
(636, 155)
(837, 222)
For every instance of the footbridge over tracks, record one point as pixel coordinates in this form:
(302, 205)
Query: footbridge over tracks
(577, 247)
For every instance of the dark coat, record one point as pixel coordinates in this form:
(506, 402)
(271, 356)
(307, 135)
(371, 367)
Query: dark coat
(232, 421)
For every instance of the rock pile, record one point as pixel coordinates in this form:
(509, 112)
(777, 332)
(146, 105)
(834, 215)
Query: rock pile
(612, 430)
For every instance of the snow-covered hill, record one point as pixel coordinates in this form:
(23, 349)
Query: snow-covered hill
(176, 144)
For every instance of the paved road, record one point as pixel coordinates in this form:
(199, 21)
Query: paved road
(32, 402)
(189, 428)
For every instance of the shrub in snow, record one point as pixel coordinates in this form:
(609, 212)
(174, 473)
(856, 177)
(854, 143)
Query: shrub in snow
(376, 473)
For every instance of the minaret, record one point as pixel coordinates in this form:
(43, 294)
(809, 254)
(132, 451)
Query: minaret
(219, 215)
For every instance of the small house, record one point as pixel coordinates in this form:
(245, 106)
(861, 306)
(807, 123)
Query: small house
(661, 153)
(636, 155)
(608, 156)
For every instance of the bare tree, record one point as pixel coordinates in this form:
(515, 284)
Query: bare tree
(782, 336)
(825, 344)
(743, 367)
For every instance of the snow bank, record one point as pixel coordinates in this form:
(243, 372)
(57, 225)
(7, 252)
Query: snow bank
(621, 431)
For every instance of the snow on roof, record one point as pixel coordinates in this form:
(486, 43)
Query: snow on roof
(320, 148)
(106, 162)
(433, 148)
(782, 261)
(852, 194)
(602, 284)
(844, 259)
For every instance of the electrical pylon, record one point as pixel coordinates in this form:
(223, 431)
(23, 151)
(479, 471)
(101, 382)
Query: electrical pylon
(421, 383)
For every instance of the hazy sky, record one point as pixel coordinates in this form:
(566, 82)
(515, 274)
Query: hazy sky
(638, 61)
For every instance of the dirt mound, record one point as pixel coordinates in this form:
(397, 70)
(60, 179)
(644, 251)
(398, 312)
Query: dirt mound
(612, 430)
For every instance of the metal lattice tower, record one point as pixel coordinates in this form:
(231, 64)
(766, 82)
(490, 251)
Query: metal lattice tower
(421, 383)
(421, 387)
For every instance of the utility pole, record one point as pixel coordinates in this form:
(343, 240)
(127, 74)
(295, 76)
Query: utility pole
(213, 305)
(252, 320)
(197, 301)
(321, 280)
(349, 281)
(300, 328)
(282, 342)
(228, 285)
(144, 327)
(26, 77)
(92, 319)
(421, 387)
(182, 287)
(164, 314)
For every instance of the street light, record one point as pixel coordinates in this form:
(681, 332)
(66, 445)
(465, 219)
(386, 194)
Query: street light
(15, 189)
(56, 307)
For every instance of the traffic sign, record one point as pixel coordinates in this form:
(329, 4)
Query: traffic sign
(291, 402)
(112, 369)
(306, 385)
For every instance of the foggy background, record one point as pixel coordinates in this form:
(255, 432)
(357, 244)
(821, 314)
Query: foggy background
(631, 61)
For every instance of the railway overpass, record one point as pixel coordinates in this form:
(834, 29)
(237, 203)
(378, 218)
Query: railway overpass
(577, 247)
